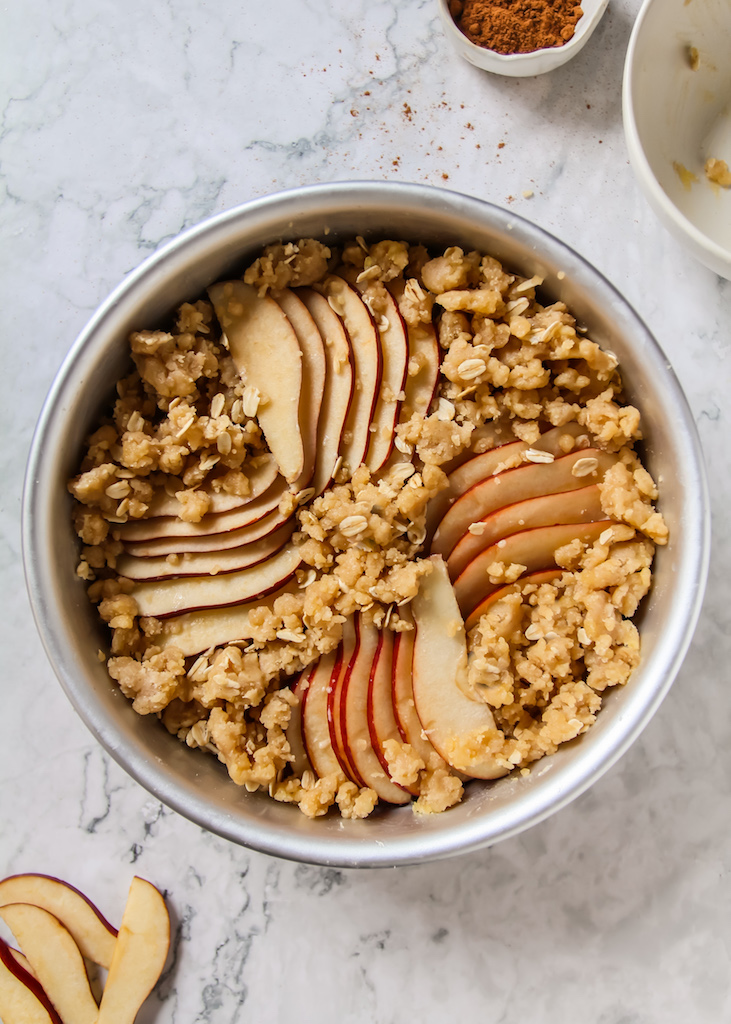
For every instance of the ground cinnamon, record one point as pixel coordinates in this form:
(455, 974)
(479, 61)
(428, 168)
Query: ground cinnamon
(516, 26)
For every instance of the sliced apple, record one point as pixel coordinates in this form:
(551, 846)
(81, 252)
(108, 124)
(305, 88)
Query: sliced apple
(402, 684)
(395, 357)
(201, 563)
(347, 654)
(265, 349)
(535, 549)
(315, 725)
(139, 954)
(354, 713)
(300, 762)
(546, 576)
(424, 362)
(161, 598)
(366, 348)
(22, 1000)
(136, 530)
(55, 959)
(164, 546)
(338, 388)
(93, 934)
(21, 960)
(194, 632)
(459, 727)
(528, 481)
(580, 506)
(382, 724)
(313, 378)
(260, 479)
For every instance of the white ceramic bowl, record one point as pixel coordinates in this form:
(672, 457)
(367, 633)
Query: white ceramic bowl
(194, 783)
(523, 65)
(677, 114)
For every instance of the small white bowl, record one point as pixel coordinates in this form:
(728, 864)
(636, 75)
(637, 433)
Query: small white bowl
(677, 114)
(523, 65)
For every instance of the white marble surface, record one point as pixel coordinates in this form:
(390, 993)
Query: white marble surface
(121, 125)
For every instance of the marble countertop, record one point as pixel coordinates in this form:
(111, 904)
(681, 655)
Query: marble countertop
(122, 125)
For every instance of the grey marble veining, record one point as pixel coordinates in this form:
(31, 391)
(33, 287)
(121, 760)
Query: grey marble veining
(121, 125)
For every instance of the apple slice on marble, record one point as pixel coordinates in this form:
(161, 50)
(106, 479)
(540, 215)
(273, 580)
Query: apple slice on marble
(535, 549)
(402, 693)
(22, 999)
(265, 349)
(339, 386)
(55, 959)
(315, 725)
(582, 505)
(205, 562)
(91, 931)
(395, 358)
(313, 378)
(578, 469)
(162, 598)
(355, 718)
(260, 479)
(366, 348)
(456, 725)
(382, 724)
(139, 954)
(161, 547)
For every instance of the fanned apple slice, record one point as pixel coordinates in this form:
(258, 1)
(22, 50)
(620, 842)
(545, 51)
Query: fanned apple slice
(299, 762)
(424, 361)
(161, 598)
(91, 931)
(395, 359)
(483, 439)
(201, 563)
(580, 506)
(264, 347)
(382, 724)
(139, 954)
(354, 712)
(535, 549)
(21, 960)
(579, 469)
(260, 479)
(55, 959)
(315, 725)
(347, 654)
(459, 727)
(313, 378)
(366, 348)
(546, 576)
(402, 682)
(338, 388)
(194, 632)
(215, 523)
(164, 546)
(22, 1000)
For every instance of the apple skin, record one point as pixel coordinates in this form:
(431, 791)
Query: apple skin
(22, 999)
(315, 724)
(93, 934)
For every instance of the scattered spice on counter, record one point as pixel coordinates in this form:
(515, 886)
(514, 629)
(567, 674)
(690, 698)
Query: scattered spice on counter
(516, 26)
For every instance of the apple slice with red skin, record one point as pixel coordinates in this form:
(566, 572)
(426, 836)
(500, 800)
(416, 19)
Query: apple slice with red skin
(424, 361)
(313, 378)
(260, 479)
(139, 954)
(300, 762)
(382, 724)
(347, 654)
(162, 598)
(366, 348)
(535, 549)
(91, 931)
(545, 576)
(528, 481)
(339, 386)
(265, 349)
(20, 959)
(395, 358)
(483, 439)
(451, 719)
(22, 1000)
(216, 523)
(161, 547)
(194, 632)
(315, 724)
(355, 716)
(402, 695)
(582, 505)
(205, 562)
(55, 959)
